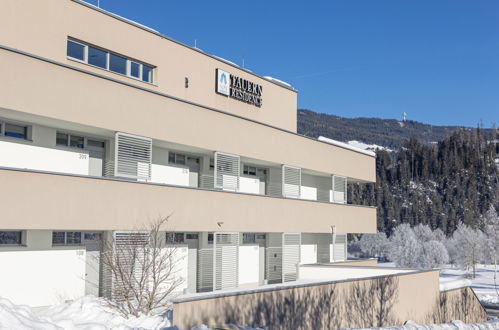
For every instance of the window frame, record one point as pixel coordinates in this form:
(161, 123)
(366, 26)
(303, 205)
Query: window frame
(85, 140)
(128, 65)
(246, 171)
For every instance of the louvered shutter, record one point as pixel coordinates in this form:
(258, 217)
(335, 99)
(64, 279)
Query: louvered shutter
(290, 256)
(291, 181)
(127, 246)
(339, 191)
(339, 247)
(205, 270)
(133, 155)
(226, 261)
(227, 171)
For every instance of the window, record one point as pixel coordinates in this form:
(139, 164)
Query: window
(109, 61)
(175, 237)
(62, 139)
(135, 70)
(146, 73)
(191, 236)
(210, 238)
(117, 64)
(249, 237)
(77, 141)
(175, 158)
(66, 238)
(253, 170)
(15, 131)
(76, 50)
(212, 164)
(11, 237)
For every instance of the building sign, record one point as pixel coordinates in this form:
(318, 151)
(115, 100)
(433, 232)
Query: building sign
(238, 88)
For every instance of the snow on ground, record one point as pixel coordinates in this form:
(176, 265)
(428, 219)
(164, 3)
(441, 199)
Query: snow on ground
(365, 146)
(482, 284)
(492, 324)
(87, 313)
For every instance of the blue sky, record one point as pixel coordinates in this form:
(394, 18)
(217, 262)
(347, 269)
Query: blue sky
(437, 60)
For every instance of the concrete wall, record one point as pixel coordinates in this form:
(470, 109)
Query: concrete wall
(101, 103)
(365, 303)
(119, 205)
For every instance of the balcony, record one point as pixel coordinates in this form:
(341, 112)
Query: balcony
(40, 200)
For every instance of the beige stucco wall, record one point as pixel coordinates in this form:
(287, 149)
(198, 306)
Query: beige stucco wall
(352, 304)
(59, 93)
(43, 26)
(50, 201)
(329, 306)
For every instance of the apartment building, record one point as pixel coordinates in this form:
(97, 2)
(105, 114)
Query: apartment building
(106, 124)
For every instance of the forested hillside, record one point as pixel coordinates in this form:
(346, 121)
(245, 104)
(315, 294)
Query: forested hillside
(388, 133)
(439, 184)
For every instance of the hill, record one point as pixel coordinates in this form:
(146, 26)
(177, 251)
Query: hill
(435, 175)
(389, 133)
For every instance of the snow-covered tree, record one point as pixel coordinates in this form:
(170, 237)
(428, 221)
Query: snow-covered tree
(404, 249)
(439, 235)
(467, 247)
(433, 254)
(374, 245)
(491, 229)
(423, 233)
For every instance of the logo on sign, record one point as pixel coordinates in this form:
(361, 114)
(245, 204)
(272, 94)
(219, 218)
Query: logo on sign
(223, 82)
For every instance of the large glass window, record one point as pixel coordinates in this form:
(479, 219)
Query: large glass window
(97, 57)
(11, 237)
(117, 64)
(73, 237)
(16, 131)
(76, 50)
(62, 139)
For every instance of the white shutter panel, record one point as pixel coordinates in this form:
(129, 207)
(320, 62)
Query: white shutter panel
(227, 171)
(133, 155)
(339, 193)
(226, 260)
(340, 247)
(291, 181)
(290, 256)
(205, 270)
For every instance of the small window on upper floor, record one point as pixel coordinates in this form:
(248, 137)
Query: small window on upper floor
(17, 131)
(11, 237)
(70, 140)
(176, 158)
(110, 61)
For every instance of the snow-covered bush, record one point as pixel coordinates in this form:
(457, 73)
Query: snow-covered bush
(491, 230)
(404, 249)
(374, 245)
(467, 247)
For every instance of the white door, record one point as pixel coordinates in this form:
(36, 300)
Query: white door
(193, 163)
(97, 153)
(93, 246)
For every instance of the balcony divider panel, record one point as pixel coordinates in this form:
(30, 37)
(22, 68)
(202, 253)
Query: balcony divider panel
(291, 244)
(227, 171)
(339, 191)
(133, 156)
(291, 181)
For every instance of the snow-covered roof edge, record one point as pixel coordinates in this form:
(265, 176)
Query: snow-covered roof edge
(346, 146)
(146, 28)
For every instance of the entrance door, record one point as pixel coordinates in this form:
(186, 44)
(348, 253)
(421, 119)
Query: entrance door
(97, 153)
(193, 163)
(93, 245)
